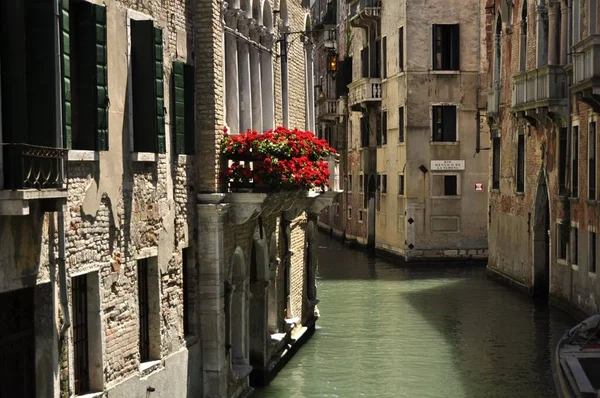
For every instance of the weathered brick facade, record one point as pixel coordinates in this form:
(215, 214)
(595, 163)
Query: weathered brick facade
(126, 212)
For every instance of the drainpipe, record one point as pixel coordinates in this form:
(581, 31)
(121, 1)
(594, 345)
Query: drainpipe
(62, 271)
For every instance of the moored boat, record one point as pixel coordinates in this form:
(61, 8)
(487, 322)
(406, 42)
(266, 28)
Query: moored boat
(576, 362)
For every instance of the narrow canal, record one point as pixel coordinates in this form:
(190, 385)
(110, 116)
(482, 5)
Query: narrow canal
(420, 331)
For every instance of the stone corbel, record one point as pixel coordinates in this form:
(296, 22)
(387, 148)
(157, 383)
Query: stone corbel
(267, 39)
(231, 17)
(244, 24)
(244, 207)
(322, 201)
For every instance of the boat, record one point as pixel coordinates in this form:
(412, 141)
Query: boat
(576, 362)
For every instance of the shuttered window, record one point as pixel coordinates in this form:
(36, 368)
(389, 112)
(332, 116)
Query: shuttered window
(446, 47)
(401, 124)
(89, 68)
(521, 163)
(183, 107)
(444, 124)
(148, 87)
(65, 45)
(364, 131)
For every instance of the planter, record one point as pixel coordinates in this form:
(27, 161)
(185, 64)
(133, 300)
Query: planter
(241, 186)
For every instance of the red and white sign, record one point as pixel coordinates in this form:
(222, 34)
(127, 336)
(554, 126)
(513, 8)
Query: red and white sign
(479, 187)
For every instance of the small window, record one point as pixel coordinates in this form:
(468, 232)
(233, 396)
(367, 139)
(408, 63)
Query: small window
(496, 163)
(592, 252)
(450, 185)
(444, 124)
(401, 185)
(384, 57)
(384, 128)
(379, 130)
(562, 241)
(384, 183)
(446, 47)
(575, 162)
(401, 124)
(574, 246)
(562, 162)
(401, 49)
(360, 183)
(364, 131)
(349, 213)
(350, 182)
(360, 215)
(189, 291)
(364, 60)
(149, 309)
(521, 163)
(80, 334)
(592, 161)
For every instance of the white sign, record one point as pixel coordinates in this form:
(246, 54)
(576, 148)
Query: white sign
(479, 187)
(444, 165)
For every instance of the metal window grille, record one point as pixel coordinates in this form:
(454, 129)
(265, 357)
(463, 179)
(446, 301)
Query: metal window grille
(144, 310)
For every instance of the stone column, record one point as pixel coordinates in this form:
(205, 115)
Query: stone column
(553, 34)
(256, 79)
(232, 112)
(266, 71)
(284, 78)
(310, 103)
(542, 39)
(245, 121)
(211, 230)
(564, 19)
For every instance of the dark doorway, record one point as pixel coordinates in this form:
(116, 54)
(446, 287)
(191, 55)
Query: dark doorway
(371, 198)
(17, 344)
(541, 241)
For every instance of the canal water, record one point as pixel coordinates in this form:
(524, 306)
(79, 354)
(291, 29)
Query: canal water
(420, 331)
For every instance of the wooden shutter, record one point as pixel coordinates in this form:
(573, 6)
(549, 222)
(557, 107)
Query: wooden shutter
(455, 47)
(65, 45)
(101, 75)
(143, 86)
(449, 123)
(159, 91)
(190, 115)
(179, 105)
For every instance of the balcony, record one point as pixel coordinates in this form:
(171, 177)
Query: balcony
(30, 172)
(493, 101)
(586, 71)
(363, 13)
(364, 91)
(328, 110)
(540, 91)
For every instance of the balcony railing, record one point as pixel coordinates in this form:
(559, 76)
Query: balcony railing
(364, 10)
(34, 167)
(328, 109)
(493, 102)
(364, 90)
(586, 64)
(539, 88)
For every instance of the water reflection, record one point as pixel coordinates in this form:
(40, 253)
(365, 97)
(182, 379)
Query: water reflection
(420, 331)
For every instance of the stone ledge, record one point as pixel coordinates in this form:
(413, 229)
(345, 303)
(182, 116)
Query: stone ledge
(144, 157)
(83, 156)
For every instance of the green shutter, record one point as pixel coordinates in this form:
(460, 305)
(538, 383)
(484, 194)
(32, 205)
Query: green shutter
(66, 71)
(101, 77)
(179, 106)
(159, 91)
(190, 117)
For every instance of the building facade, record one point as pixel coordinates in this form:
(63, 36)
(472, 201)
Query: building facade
(127, 267)
(416, 149)
(542, 111)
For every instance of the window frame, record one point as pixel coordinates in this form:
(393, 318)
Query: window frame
(401, 123)
(520, 169)
(563, 155)
(592, 156)
(575, 149)
(434, 124)
(562, 244)
(452, 63)
(574, 246)
(496, 162)
(592, 257)
(401, 67)
(435, 175)
(401, 185)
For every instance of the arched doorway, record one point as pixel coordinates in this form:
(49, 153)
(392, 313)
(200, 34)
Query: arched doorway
(541, 241)
(371, 198)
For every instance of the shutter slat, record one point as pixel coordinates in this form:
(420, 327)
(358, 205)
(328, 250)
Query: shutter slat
(159, 91)
(66, 73)
(101, 84)
(190, 117)
(179, 106)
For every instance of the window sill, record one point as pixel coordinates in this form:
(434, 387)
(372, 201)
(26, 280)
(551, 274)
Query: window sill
(574, 199)
(149, 366)
(446, 197)
(183, 159)
(495, 190)
(574, 267)
(401, 143)
(443, 142)
(592, 275)
(561, 261)
(444, 72)
(144, 157)
(93, 394)
(591, 202)
(519, 193)
(83, 156)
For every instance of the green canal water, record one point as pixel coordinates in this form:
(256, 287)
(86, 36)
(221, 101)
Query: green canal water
(419, 331)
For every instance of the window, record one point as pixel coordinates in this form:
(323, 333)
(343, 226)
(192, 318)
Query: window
(450, 186)
(350, 182)
(384, 57)
(401, 49)
(89, 76)
(80, 334)
(401, 124)
(444, 124)
(360, 215)
(364, 60)
(375, 61)
(349, 213)
(446, 47)
(401, 185)
(364, 131)
(592, 161)
(592, 252)
(523, 48)
(384, 183)
(562, 162)
(384, 128)
(521, 162)
(147, 87)
(183, 107)
(575, 162)
(496, 163)
(360, 183)
(574, 246)
(188, 270)
(562, 240)
(149, 309)
(378, 130)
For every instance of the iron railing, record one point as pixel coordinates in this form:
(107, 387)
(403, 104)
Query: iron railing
(34, 167)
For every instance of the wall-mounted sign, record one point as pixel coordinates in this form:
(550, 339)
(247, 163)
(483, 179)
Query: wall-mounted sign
(447, 165)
